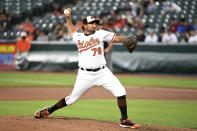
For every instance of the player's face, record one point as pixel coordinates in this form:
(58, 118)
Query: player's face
(90, 27)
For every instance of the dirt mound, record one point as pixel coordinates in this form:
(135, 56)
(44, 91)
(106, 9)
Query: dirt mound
(28, 123)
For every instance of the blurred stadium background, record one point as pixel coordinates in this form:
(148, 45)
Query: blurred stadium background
(53, 50)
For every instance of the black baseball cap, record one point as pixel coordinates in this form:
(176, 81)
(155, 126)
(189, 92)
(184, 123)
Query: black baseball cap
(90, 19)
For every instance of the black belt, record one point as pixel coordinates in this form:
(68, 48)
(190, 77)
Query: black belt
(93, 70)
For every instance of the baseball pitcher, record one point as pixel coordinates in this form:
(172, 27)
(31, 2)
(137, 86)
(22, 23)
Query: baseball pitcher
(92, 67)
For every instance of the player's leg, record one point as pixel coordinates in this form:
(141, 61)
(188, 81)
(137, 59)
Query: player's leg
(111, 83)
(125, 121)
(18, 61)
(82, 84)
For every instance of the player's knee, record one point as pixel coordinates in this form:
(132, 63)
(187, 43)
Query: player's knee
(121, 92)
(71, 100)
(122, 97)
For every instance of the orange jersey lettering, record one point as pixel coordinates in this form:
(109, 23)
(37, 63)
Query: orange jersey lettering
(86, 45)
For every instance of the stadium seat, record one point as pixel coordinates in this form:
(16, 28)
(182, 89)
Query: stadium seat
(97, 8)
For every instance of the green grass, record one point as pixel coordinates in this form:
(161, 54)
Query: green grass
(52, 79)
(158, 82)
(36, 79)
(149, 112)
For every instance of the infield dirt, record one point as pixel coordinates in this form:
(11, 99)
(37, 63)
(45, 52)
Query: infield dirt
(55, 93)
(28, 123)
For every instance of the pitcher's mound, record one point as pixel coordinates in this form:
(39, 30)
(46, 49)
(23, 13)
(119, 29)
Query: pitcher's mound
(29, 123)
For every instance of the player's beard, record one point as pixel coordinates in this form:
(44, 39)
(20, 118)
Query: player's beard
(90, 31)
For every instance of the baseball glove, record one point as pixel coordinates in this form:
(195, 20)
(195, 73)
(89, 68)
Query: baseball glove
(130, 43)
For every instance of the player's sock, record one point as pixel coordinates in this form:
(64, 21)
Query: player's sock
(122, 104)
(58, 105)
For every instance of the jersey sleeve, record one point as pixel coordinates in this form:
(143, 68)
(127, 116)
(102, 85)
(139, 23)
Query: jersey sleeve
(75, 36)
(107, 36)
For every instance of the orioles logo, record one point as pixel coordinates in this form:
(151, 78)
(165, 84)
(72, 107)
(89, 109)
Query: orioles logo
(86, 45)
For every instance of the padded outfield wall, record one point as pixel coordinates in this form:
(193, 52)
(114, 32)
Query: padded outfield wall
(147, 58)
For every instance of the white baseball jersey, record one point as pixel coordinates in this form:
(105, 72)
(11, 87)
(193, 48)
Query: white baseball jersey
(91, 56)
(90, 48)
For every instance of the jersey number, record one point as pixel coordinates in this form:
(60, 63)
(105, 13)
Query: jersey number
(96, 50)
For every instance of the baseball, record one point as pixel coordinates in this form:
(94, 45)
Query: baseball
(66, 11)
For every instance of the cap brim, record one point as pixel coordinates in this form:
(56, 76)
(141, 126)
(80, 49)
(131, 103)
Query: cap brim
(94, 21)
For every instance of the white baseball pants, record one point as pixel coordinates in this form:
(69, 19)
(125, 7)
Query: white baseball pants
(88, 79)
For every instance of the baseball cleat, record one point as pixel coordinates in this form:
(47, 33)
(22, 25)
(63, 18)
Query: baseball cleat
(128, 124)
(42, 113)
